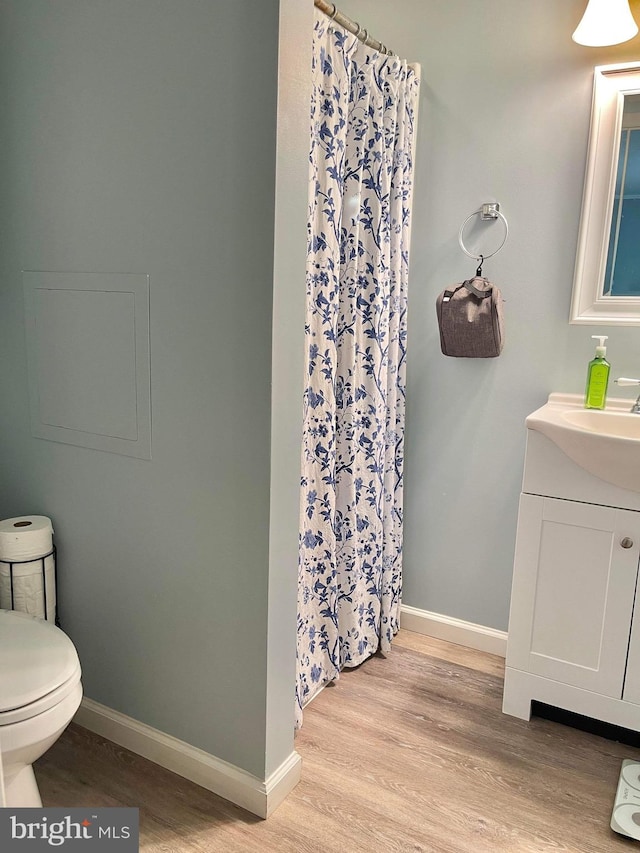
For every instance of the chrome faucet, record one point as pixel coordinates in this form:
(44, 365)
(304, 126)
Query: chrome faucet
(635, 409)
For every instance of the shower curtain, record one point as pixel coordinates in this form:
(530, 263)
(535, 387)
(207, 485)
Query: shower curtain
(363, 108)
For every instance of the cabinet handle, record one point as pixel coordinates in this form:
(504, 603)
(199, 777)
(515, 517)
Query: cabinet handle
(626, 542)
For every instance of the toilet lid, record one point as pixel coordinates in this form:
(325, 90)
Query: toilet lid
(35, 658)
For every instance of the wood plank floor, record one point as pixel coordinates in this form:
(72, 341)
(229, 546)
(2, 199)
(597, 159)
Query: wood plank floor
(407, 753)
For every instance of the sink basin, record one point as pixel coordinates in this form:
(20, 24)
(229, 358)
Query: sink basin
(604, 443)
(621, 424)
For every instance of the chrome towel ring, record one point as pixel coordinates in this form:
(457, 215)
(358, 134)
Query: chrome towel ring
(487, 211)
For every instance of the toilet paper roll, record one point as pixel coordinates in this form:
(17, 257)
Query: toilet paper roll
(25, 537)
(24, 541)
(28, 595)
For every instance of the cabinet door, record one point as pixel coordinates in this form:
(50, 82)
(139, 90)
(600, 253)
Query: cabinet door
(632, 677)
(573, 591)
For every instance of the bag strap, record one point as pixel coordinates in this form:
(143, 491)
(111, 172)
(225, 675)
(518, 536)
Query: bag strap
(481, 294)
(469, 285)
(447, 294)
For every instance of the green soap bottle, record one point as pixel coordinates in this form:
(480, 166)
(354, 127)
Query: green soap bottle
(595, 395)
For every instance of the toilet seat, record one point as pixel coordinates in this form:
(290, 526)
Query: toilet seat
(27, 712)
(39, 666)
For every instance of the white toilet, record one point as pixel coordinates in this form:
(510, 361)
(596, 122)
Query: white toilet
(40, 691)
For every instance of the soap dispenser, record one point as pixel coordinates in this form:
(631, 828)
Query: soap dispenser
(595, 395)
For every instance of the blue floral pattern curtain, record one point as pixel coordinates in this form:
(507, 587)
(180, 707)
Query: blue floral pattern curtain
(361, 173)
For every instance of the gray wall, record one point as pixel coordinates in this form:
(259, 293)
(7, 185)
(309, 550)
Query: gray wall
(140, 137)
(287, 369)
(504, 115)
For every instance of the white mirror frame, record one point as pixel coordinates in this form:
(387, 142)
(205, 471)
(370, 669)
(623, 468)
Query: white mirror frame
(588, 305)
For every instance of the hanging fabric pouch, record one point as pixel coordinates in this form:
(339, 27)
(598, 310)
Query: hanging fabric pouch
(470, 317)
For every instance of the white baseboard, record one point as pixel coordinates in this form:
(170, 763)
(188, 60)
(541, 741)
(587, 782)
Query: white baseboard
(454, 630)
(261, 797)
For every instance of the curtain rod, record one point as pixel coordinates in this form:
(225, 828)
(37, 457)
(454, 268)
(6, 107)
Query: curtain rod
(331, 10)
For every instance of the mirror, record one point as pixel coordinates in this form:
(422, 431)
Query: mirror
(606, 287)
(622, 273)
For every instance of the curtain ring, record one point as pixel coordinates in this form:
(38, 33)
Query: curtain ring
(365, 37)
(358, 31)
(334, 13)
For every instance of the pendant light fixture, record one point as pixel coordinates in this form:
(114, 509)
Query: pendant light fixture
(605, 22)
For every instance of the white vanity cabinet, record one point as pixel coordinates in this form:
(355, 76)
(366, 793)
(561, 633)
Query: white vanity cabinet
(574, 639)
